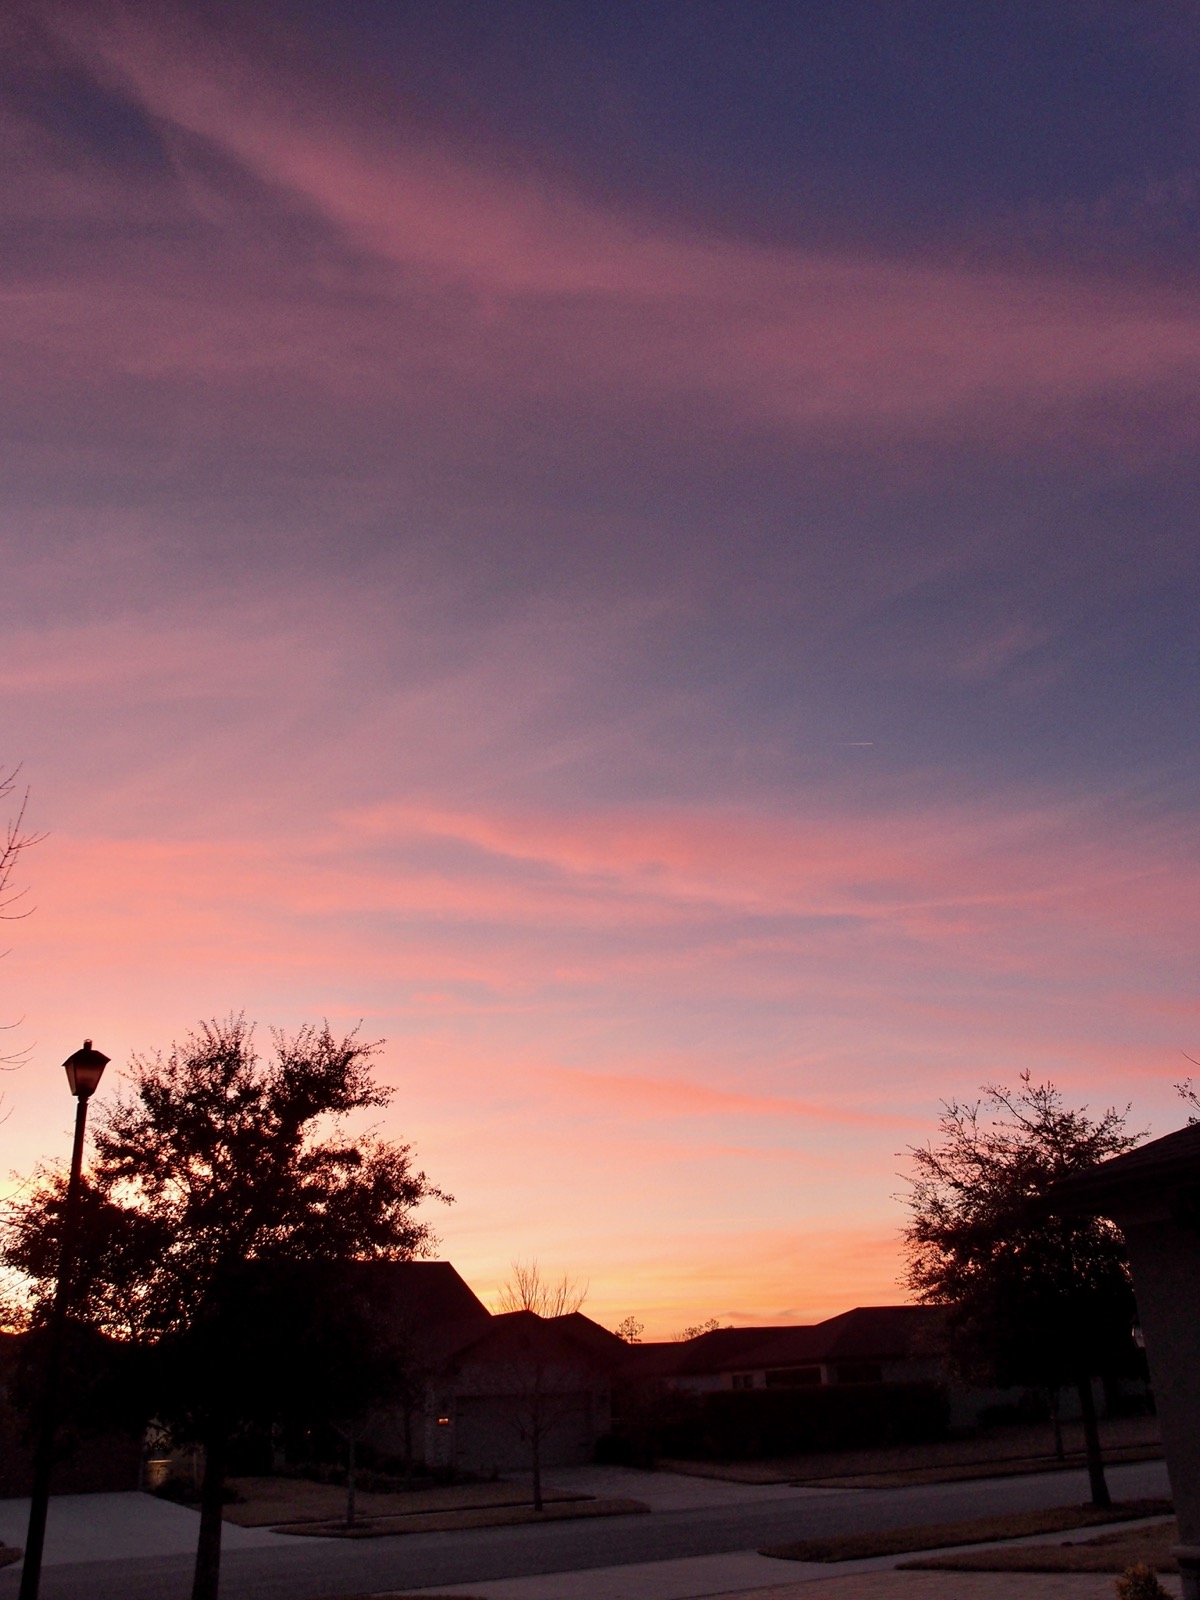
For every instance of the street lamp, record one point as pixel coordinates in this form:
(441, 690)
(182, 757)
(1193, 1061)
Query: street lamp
(84, 1070)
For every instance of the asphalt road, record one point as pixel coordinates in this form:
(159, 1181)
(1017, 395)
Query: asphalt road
(312, 1571)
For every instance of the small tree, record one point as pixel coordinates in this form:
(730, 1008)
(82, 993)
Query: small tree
(543, 1380)
(527, 1290)
(1033, 1297)
(214, 1174)
(630, 1329)
(540, 1402)
(695, 1329)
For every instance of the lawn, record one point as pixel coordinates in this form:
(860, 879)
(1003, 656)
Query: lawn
(979, 1530)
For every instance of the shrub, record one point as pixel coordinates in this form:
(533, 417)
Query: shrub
(741, 1424)
(1140, 1583)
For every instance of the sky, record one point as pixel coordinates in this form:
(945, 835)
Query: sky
(642, 553)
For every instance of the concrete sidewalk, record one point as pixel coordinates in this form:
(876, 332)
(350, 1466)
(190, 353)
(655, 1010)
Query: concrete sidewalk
(741, 1577)
(115, 1527)
(875, 1585)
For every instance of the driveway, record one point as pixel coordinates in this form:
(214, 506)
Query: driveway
(120, 1527)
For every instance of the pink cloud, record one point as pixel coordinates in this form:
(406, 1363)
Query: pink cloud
(535, 290)
(385, 793)
(931, 871)
(646, 1097)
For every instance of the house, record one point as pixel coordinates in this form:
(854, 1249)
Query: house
(105, 1456)
(868, 1345)
(486, 1384)
(871, 1344)
(522, 1380)
(1152, 1193)
(483, 1386)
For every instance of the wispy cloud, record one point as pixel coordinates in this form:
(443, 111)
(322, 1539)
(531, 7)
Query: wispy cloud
(527, 289)
(704, 693)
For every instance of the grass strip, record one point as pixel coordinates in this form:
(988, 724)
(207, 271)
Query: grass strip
(1111, 1552)
(979, 1530)
(267, 1502)
(1016, 1467)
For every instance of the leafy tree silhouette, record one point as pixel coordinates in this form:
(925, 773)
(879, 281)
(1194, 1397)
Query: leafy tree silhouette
(1033, 1297)
(217, 1176)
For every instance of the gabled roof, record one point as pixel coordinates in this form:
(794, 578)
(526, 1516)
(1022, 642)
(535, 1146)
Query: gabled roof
(868, 1333)
(726, 1348)
(425, 1293)
(569, 1341)
(874, 1333)
(430, 1300)
(605, 1346)
(1161, 1164)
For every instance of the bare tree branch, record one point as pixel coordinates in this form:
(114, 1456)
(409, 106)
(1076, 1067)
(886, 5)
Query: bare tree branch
(527, 1290)
(15, 839)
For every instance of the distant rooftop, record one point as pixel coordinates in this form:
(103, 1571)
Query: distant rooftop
(868, 1333)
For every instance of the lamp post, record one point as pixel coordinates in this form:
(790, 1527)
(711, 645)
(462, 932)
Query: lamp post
(84, 1070)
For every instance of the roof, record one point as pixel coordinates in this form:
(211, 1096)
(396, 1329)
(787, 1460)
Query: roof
(598, 1340)
(868, 1333)
(573, 1340)
(424, 1292)
(726, 1348)
(1163, 1163)
(430, 1299)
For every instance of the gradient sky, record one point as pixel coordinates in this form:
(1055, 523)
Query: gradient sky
(644, 550)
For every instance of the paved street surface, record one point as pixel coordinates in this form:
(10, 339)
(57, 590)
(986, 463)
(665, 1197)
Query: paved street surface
(702, 1532)
(745, 1575)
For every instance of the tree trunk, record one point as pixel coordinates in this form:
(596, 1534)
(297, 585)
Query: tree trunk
(212, 1501)
(408, 1446)
(1091, 1444)
(350, 1485)
(1056, 1422)
(537, 1467)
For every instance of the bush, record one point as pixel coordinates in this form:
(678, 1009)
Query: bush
(744, 1424)
(1140, 1583)
(185, 1491)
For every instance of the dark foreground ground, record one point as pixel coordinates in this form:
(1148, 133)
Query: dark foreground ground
(316, 1570)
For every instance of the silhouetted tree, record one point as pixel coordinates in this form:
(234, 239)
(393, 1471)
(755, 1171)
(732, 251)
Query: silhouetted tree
(545, 1381)
(1187, 1092)
(710, 1325)
(1033, 1297)
(215, 1177)
(15, 839)
(527, 1290)
(630, 1329)
(544, 1391)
